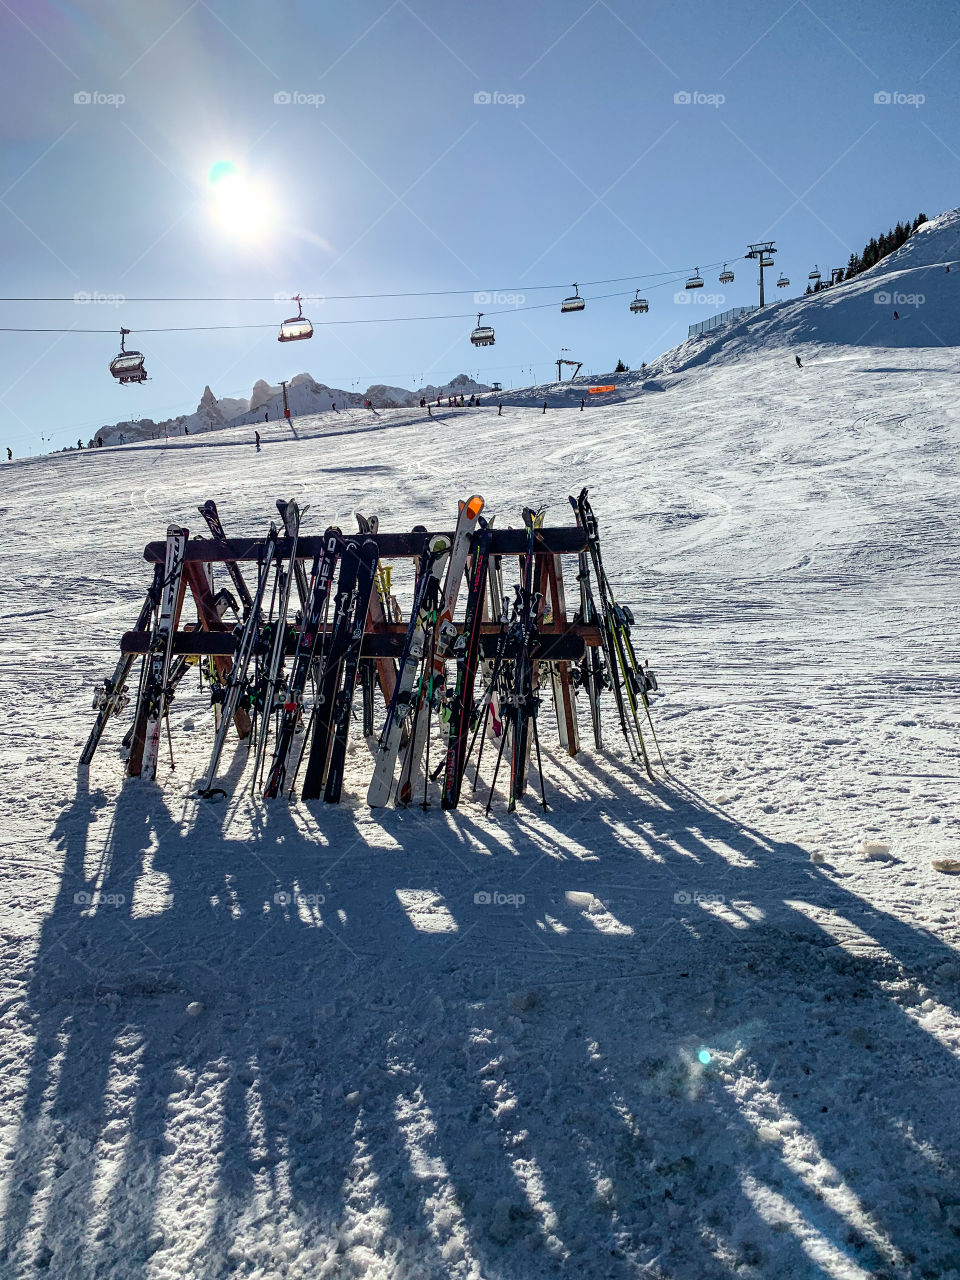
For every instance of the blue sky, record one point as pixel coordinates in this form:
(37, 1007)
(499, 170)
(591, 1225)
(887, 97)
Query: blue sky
(398, 181)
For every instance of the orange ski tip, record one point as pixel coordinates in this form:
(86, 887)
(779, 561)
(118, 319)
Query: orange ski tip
(474, 507)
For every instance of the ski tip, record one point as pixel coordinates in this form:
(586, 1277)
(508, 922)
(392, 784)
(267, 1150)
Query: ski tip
(474, 507)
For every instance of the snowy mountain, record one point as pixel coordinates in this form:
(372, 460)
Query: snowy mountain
(304, 396)
(705, 1026)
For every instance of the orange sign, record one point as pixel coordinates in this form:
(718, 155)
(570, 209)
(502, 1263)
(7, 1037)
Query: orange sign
(596, 391)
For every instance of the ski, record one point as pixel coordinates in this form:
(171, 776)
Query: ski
(292, 516)
(303, 660)
(466, 650)
(110, 696)
(625, 674)
(523, 694)
(591, 670)
(366, 575)
(291, 524)
(209, 512)
(432, 560)
(161, 648)
(383, 670)
(433, 684)
(235, 683)
(329, 681)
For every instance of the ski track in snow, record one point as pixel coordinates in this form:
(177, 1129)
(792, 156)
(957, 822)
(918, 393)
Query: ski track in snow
(379, 1075)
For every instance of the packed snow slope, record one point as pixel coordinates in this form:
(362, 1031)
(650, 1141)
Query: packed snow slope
(703, 1030)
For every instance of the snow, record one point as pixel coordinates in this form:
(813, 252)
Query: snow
(693, 1028)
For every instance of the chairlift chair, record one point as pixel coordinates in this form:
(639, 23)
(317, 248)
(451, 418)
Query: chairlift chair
(815, 273)
(639, 305)
(297, 327)
(726, 275)
(783, 281)
(575, 303)
(766, 262)
(482, 335)
(695, 281)
(127, 366)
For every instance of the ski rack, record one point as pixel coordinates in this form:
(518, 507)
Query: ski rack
(556, 651)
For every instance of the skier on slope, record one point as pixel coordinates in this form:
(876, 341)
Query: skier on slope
(257, 436)
(799, 362)
(9, 454)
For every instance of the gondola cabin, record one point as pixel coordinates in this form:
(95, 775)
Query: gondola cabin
(574, 303)
(127, 366)
(482, 335)
(297, 327)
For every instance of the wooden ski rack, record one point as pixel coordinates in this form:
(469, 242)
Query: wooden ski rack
(213, 637)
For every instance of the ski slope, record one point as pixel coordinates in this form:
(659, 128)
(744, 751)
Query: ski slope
(715, 1032)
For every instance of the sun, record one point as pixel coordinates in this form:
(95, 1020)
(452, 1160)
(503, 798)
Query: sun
(240, 208)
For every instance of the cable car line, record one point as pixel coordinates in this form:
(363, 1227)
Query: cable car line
(427, 293)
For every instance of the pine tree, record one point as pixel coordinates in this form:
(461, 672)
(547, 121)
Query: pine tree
(621, 367)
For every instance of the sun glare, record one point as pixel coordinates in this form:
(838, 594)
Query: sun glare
(240, 208)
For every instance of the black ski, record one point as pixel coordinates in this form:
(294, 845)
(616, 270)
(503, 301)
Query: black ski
(110, 697)
(366, 576)
(303, 660)
(212, 517)
(329, 681)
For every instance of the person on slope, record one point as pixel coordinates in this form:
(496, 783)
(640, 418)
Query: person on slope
(799, 362)
(257, 436)
(9, 454)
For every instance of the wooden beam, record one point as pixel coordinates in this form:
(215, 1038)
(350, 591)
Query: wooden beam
(392, 546)
(382, 642)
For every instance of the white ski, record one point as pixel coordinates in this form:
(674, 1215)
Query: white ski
(385, 762)
(161, 649)
(432, 686)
